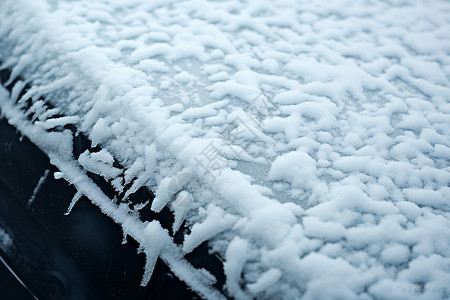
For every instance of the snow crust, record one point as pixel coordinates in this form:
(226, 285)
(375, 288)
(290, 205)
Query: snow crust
(317, 134)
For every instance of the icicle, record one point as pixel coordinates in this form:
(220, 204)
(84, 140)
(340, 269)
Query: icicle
(124, 239)
(155, 239)
(180, 206)
(73, 202)
(150, 263)
(38, 187)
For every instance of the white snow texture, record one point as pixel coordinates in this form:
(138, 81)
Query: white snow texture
(317, 133)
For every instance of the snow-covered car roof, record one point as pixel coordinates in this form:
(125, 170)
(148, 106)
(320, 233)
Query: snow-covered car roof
(306, 142)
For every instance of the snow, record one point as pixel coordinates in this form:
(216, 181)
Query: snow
(267, 279)
(6, 241)
(307, 143)
(329, 231)
(237, 253)
(395, 254)
(100, 163)
(293, 167)
(426, 197)
(216, 221)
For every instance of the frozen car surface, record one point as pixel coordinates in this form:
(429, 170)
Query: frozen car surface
(55, 255)
(268, 149)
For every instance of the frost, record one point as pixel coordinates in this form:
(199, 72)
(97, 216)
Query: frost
(305, 143)
(54, 122)
(6, 241)
(100, 163)
(100, 132)
(216, 221)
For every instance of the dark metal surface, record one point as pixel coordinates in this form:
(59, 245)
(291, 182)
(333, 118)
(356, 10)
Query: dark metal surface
(39, 261)
(10, 287)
